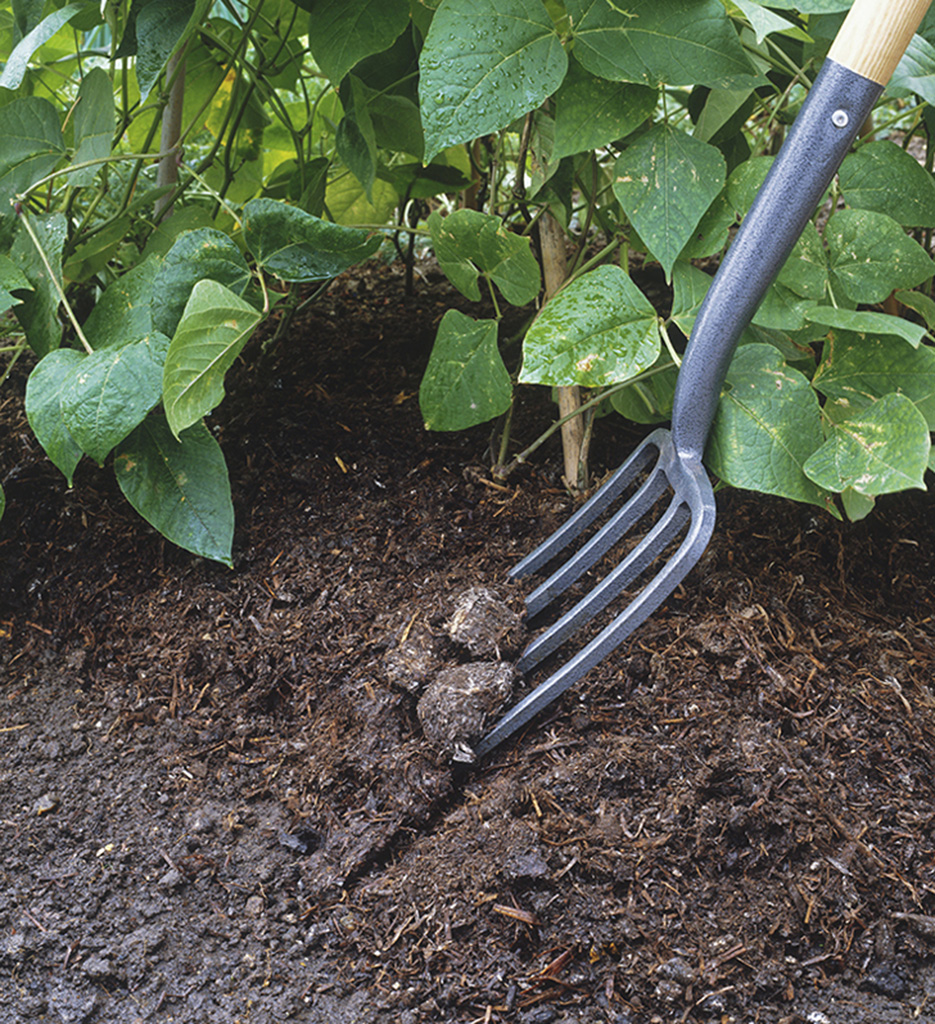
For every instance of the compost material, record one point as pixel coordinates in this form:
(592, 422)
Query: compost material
(229, 796)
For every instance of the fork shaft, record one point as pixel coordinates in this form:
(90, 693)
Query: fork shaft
(827, 124)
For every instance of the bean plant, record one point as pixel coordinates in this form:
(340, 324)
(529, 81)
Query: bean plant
(174, 171)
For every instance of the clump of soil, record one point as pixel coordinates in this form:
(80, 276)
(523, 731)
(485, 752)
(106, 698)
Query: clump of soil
(220, 800)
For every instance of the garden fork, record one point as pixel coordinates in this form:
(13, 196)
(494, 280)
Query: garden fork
(859, 64)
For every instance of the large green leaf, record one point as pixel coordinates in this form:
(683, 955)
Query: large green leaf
(882, 176)
(465, 382)
(599, 329)
(18, 61)
(859, 368)
(867, 322)
(124, 312)
(880, 449)
(469, 243)
(296, 246)
(32, 145)
(915, 73)
(44, 408)
(195, 256)
(159, 28)
(346, 31)
(94, 124)
(590, 112)
(38, 312)
(108, 394)
(767, 425)
(870, 255)
(679, 42)
(665, 182)
(214, 328)
(484, 64)
(180, 487)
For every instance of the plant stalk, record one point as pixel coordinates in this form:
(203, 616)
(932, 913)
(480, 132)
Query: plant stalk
(554, 269)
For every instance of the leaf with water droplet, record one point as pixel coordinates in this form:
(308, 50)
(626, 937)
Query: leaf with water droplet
(476, 55)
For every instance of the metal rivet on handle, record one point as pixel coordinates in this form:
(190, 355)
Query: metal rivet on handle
(839, 119)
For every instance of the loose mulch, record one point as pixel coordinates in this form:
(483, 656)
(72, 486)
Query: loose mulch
(218, 802)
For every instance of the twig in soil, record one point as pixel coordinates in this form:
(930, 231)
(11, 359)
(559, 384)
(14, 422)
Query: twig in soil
(516, 914)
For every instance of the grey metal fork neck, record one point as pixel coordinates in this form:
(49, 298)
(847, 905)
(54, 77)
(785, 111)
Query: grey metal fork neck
(836, 107)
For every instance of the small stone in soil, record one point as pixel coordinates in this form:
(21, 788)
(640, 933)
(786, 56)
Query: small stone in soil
(459, 701)
(480, 621)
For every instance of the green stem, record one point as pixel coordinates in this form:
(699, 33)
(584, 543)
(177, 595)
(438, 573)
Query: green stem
(56, 284)
(504, 471)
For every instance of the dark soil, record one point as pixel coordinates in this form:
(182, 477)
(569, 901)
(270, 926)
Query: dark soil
(218, 803)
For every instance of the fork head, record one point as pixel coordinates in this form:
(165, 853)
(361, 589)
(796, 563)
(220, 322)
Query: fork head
(690, 513)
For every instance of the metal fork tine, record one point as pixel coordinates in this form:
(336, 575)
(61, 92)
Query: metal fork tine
(572, 528)
(653, 487)
(641, 557)
(653, 594)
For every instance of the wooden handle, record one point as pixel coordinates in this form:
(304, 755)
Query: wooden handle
(875, 35)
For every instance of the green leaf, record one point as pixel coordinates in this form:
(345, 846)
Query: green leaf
(124, 312)
(94, 124)
(856, 506)
(44, 408)
(214, 328)
(665, 182)
(465, 382)
(468, 243)
(870, 255)
(11, 279)
(18, 61)
(32, 146)
(881, 449)
(95, 254)
(296, 246)
(599, 329)
(108, 394)
(590, 112)
(765, 22)
(858, 369)
(38, 312)
(180, 487)
(711, 233)
(484, 64)
(745, 181)
(915, 73)
(919, 303)
(348, 205)
(397, 124)
(719, 108)
(781, 309)
(883, 177)
(679, 42)
(194, 256)
(649, 400)
(161, 26)
(805, 272)
(355, 139)
(867, 322)
(346, 31)
(767, 425)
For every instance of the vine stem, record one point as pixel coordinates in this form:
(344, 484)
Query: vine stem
(24, 220)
